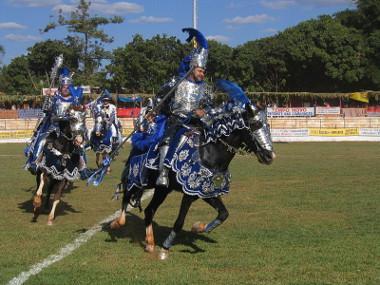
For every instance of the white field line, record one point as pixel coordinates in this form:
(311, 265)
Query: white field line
(69, 248)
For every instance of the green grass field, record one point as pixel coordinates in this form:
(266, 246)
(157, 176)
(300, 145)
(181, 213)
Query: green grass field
(313, 217)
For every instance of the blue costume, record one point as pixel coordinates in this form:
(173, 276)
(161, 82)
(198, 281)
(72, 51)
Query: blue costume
(55, 108)
(190, 95)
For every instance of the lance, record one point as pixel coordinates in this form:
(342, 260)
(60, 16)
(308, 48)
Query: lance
(57, 64)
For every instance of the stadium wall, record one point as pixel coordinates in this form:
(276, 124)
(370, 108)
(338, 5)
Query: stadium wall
(283, 129)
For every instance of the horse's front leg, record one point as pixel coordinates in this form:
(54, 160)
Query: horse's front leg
(218, 205)
(98, 163)
(187, 200)
(37, 199)
(159, 197)
(120, 221)
(57, 198)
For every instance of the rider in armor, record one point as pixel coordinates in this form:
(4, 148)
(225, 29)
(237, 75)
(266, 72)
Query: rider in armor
(190, 103)
(106, 112)
(55, 108)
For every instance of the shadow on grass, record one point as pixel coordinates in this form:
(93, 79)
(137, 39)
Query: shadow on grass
(63, 208)
(68, 189)
(134, 230)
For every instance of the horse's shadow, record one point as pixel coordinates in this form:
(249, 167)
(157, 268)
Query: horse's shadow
(135, 232)
(63, 207)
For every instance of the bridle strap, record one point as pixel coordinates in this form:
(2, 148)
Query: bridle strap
(229, 147)
(66, 137)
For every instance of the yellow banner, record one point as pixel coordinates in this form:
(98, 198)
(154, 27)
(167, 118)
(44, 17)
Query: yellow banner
(326, 132)
(20, 134)
(360, 96)
(127, 132)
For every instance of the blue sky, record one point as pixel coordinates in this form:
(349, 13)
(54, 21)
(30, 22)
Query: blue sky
(232, 22)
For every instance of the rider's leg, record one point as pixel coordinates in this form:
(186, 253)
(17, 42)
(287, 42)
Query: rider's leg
(167, 155)
(115, 136)
(163, 179)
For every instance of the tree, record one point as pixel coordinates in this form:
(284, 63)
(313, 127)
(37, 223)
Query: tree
(2, 51)
(41, 57)
(16, 78)
(259, 65)
(369, 12)
(144, 65)
(322, 55)
(219, 62)
(91, 40)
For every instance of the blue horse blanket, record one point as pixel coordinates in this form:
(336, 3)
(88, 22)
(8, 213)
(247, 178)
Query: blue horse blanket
(194, 178)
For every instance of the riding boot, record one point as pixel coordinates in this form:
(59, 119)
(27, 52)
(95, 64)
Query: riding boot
(163, 179)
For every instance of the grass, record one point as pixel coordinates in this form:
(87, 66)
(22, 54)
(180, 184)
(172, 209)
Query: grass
(313, 217)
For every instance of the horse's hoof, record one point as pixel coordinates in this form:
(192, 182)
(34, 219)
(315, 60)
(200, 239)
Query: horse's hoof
(149, 248)
(198, 227)
(164, 254)
(50, 223)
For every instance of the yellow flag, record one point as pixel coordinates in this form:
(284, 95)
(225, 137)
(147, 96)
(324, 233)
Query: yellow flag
(360, 96)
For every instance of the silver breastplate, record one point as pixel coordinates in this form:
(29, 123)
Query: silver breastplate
(61, 108)
(188, 97)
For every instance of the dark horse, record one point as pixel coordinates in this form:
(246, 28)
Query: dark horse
(215, 155)
(59, 163)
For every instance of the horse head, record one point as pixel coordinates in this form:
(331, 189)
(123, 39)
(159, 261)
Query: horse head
(72, 126)
(256, 137)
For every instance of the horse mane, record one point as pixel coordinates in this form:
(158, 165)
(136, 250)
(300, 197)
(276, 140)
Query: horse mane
(224, 120)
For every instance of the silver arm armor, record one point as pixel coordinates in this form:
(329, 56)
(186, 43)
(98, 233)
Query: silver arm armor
(46, 106)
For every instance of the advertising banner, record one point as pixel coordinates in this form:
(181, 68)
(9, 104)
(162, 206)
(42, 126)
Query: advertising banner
(291, 112)
(290, 132)
(330, 132)
(369, 132)
(327, 110)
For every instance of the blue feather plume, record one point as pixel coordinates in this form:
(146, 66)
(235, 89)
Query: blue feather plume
(199, 37)
(64, 72)
(233, 90)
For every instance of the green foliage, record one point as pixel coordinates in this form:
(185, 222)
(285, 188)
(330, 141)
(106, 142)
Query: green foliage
(41, 56)
(2, 51)
(91, 41)
(323, 55)
(220, 61)
(259, 65)
(144, 65)
(17, 78)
